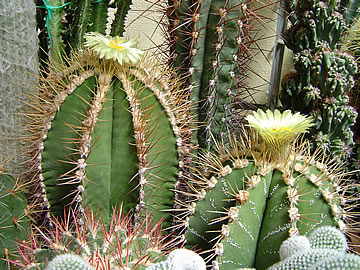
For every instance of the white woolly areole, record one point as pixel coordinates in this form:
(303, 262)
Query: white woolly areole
(294, 245)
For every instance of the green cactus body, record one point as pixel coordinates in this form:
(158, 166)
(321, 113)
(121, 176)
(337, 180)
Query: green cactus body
(211, 47)
(92, 245)
(14, 222)
(108, 135)
(67, 22)
(324, 75)
(249, 204)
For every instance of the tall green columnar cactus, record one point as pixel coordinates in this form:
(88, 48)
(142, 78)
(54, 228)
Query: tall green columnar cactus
(14, 222)
(108, 128)
(250, 196)
(211, 44)
(67, 22)
(324, 75)
(18, 73)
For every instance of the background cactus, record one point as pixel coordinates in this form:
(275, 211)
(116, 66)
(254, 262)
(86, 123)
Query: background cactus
(18, 74)
(14, 220)
(324, 75)
(212, 44)
(63, 24)
(325, 249)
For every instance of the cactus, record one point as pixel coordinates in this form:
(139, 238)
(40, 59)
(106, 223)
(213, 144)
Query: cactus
(123, 245)
(351, 44)
(250, 196)
(14, 223)
(66, 23)
(18, 74)
(212, 44)
(324, 249)
(107, 134)
(180, 259)
(69, 262)
(324, 75)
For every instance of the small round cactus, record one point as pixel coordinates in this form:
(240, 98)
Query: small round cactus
(69, 262)
(181, 259)
(324, 249)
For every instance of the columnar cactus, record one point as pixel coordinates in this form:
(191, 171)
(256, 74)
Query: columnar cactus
(324, 75)
(211, 44)
(67, 22)
(250, 196)
(18, 74)
(324, 249)
(107, 131)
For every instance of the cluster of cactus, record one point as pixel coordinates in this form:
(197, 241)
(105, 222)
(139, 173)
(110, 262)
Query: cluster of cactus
(351, 44)
(324, 249)
(62, 25)
(324, 75)
(118, 245)
(107, 133)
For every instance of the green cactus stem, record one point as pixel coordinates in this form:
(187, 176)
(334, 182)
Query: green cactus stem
(14, 220)
(108, 134)
(324, 75)
(68, 21)
(247, 199)
(211, 44)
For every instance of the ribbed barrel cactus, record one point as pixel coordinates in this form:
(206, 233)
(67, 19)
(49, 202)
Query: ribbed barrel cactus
(109, 127)
(249, 197)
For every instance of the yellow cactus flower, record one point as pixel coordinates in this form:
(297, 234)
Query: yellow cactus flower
(278, 129)
(115, 48)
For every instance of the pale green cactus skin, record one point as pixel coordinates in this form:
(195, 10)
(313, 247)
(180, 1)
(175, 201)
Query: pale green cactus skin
(324, 249)
(68, 262)
(180, 259)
